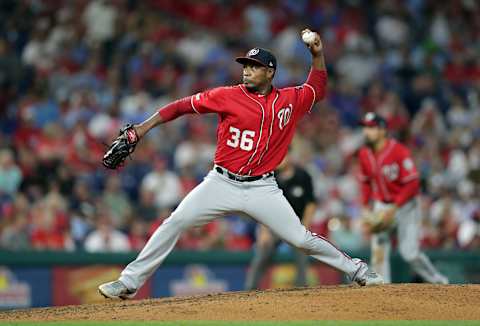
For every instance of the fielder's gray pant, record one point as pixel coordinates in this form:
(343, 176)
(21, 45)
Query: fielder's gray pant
(407, 221)
(218, 196)
(262, 259)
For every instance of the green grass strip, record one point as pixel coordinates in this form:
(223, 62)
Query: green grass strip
(254, 323)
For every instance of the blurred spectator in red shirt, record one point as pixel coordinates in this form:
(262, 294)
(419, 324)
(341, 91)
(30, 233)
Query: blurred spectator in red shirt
(15, 232)
(205, 237)
(50, 226)
(237, 237)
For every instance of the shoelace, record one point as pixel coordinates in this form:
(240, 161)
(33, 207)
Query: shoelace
(122, 288)
(118, 286)
(371, 274)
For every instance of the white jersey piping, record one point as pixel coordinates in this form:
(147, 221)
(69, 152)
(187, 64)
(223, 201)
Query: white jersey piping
(314, 96)
(191, 102)
(271, 130)
(261, 128)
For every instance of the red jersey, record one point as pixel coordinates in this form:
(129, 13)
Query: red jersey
(254, 130)
(389, 175)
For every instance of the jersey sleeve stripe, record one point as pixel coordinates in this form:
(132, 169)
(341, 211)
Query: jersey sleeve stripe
(193, 106)
(314, 96)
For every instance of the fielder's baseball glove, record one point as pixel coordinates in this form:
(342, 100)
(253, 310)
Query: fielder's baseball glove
(376, 221)
(121, 148)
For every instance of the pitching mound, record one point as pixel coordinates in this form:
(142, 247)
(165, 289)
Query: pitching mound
(401, 302)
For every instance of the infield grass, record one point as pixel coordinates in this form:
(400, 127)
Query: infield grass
(254, 323)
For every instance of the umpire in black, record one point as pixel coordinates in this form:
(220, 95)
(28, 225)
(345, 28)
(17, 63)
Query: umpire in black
(297, 187)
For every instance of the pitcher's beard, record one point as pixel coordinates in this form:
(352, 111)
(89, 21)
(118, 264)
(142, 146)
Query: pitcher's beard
(250, 87)
(370, 144)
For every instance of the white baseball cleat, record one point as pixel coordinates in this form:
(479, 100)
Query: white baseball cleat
(116, 290)
(441, 279)
(367, 277)
(370, 278)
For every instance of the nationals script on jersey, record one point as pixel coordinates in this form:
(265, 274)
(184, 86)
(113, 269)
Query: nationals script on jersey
(255, 130)
(389, 175)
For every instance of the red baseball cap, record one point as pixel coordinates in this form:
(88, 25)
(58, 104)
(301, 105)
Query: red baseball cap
(372, 119)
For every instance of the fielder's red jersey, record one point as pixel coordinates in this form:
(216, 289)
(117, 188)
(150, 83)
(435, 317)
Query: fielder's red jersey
(254, 130)
(389, 175)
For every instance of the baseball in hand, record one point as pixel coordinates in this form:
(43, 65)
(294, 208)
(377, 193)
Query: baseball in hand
(309, 37)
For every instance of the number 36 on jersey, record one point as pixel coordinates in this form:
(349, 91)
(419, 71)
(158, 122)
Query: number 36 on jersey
(242, 139)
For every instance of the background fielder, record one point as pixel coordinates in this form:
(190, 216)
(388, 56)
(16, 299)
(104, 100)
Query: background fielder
(390, 185)
(256, 125)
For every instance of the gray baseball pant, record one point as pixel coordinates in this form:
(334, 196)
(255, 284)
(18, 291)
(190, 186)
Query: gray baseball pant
(217, 196)
(407, 221)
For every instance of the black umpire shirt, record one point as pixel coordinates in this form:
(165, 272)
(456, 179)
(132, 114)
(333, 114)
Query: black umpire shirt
(298, 190)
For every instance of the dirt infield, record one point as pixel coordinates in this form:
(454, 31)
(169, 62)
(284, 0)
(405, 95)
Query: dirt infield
(391, 302)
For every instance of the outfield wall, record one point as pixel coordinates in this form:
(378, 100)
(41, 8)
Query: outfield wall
(36, 279)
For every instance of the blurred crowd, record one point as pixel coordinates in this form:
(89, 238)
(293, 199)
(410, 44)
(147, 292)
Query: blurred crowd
(73, 72)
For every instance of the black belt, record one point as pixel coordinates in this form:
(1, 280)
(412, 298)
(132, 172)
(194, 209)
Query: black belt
(242, 178)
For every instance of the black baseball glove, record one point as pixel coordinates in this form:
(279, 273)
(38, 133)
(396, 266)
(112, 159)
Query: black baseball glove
(121, 148)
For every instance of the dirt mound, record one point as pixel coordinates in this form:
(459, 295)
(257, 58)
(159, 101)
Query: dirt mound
(405, 301)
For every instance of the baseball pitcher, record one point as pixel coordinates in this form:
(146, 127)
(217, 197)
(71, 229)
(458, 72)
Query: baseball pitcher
(256, 124)
(390, 185)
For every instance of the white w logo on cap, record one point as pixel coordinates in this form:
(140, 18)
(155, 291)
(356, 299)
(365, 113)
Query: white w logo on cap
(370, 116)
(253, 52)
